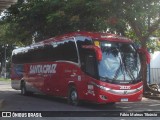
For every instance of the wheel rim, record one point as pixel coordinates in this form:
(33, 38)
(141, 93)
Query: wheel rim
(22, 90)
(74, 96)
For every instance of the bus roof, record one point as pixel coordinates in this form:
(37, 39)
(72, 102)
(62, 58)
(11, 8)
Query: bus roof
(93, 35)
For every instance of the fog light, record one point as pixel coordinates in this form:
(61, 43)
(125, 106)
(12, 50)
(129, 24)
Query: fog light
(103, 97)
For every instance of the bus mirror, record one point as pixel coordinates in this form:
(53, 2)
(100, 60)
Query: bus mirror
(96, 49)
(146, 53)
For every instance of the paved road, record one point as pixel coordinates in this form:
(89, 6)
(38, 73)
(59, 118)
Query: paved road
(16, 102)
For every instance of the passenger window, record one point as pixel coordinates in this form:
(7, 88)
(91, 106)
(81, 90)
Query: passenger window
(90, 65)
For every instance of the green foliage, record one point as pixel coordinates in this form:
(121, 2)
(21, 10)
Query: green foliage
(47, 18)
(6, 80)
(142, 16)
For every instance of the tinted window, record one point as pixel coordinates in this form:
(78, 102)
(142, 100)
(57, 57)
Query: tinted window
(64, 50)
(90, 65)
(82, 52)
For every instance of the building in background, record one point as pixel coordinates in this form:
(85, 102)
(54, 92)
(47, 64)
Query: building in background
(155, 63)
(155, 67)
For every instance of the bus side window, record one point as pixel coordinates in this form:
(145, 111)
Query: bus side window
(90, 65)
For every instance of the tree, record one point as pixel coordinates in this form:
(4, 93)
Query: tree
(48, 18)
(143, 18)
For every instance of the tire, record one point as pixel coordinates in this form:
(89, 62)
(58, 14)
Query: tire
(112, 103)
(73, 96)
(23, 89)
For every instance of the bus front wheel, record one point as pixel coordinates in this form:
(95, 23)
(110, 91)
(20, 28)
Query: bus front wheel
(73, 96)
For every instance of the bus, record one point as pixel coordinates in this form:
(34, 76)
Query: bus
(80, 66)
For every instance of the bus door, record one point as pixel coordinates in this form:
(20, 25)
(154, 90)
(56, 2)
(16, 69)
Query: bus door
(68, 73)
(91, 74)
(55, 83)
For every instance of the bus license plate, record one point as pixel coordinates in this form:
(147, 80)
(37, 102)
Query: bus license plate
(124, 100)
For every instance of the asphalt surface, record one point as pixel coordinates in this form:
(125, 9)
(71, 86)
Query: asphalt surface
(39, 102)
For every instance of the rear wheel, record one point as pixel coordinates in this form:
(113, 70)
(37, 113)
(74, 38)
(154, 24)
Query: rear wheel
(111, 103)
(73, 96)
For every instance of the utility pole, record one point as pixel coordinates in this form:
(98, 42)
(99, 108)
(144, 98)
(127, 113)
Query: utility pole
(5, 59)
(5, 74)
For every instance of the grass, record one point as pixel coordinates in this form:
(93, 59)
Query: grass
(4, 79)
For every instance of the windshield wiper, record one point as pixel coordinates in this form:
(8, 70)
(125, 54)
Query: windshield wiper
(127, 68)
(120, 68)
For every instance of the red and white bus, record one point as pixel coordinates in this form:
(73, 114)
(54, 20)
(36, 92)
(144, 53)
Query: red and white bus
(95, 67)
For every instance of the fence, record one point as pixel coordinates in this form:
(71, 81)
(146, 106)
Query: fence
(155, 75)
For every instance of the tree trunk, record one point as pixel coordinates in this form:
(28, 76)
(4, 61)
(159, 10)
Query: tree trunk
(146, 88)
(144, 73)
(144, 68)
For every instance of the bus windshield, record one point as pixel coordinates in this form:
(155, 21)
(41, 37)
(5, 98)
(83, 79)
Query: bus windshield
(120, 63)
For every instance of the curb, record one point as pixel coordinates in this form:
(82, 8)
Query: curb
(152, 97)
(1, 103)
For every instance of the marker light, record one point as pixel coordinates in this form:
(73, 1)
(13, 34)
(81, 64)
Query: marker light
(96, 43)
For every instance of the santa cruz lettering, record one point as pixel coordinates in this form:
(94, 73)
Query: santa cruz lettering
(48, 68)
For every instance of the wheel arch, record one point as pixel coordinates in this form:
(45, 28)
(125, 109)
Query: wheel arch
(71, 84)
(72, 87)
